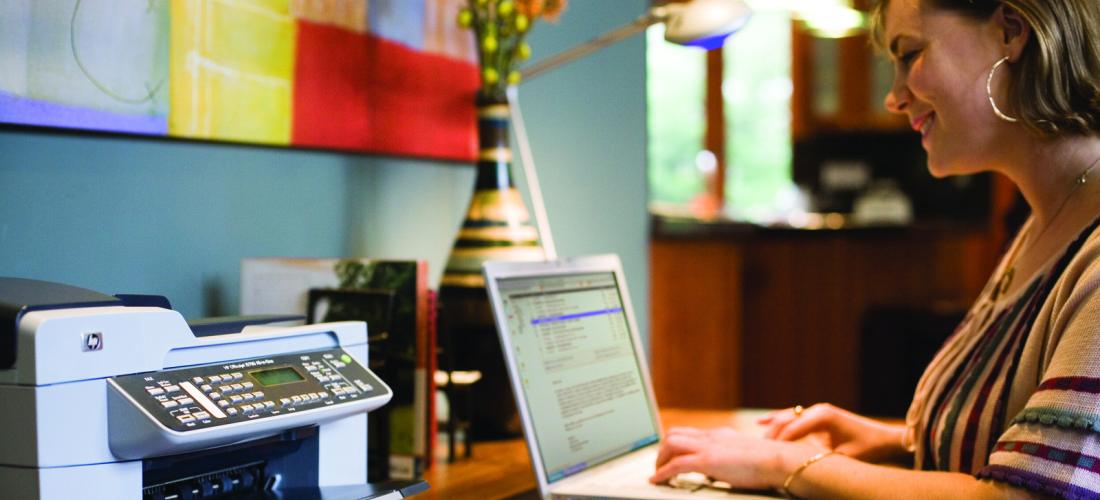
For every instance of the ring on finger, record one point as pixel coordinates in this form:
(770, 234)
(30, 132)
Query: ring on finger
(798, 409)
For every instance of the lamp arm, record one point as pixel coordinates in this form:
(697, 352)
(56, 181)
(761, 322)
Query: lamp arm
(531, 176)
(597, 43)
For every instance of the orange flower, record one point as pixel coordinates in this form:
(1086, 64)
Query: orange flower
(549, 9)
(554, 8)
(530, 8)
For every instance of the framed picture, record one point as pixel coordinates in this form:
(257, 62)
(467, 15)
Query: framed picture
(391, 77)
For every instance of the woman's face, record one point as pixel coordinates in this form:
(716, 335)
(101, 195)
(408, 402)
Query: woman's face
(941, 62)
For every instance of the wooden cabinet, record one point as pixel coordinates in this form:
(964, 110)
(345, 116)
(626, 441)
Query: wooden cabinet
(695, 323)
(772, 318)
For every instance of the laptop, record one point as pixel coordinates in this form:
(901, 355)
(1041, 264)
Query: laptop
(580, 378)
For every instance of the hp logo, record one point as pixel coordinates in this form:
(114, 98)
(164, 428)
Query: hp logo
(93, 341)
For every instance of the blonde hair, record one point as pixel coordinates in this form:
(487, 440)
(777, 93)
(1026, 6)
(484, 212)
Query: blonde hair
(1055, 85)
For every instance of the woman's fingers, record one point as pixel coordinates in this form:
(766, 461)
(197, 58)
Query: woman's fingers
(676, 445)
(780, 420)
(767, 419)
(814, 419)
(680, 464)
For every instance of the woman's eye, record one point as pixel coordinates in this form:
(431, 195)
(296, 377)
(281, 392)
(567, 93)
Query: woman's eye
(908, 57)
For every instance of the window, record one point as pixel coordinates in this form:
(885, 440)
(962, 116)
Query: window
(756, 91)
(675, 83)
(754, 113)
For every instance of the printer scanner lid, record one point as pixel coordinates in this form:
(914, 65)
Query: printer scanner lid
(19, 296)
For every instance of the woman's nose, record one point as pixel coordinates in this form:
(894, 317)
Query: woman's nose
(897, 99)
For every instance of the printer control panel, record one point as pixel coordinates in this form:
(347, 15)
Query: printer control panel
(219, 394)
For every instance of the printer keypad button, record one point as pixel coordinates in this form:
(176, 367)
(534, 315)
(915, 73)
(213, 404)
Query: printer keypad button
(185, 418)
(156, 391)
(187, 401)
(170, 404)
(237, 375)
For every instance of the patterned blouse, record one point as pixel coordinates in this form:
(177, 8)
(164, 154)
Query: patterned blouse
(1014, 393)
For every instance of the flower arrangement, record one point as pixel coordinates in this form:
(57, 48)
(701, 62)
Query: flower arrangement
(500, 27)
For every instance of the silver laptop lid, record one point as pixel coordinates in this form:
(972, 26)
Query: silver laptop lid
(576, 364)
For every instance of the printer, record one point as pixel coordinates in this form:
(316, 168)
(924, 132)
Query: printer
(109, 397)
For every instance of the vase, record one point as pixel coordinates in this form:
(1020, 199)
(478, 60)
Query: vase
(497, 227)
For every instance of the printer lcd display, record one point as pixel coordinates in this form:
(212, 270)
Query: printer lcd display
(277, 376)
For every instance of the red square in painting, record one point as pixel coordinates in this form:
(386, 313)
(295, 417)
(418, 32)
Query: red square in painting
(357, 91)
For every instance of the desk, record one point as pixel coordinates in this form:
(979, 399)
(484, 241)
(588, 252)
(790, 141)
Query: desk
(501, 469)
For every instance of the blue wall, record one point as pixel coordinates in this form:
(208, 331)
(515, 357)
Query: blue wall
(123, 215)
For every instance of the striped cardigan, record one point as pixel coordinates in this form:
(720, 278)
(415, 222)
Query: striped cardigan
(1014, 393)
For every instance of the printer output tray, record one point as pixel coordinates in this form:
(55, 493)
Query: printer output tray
(375, 491)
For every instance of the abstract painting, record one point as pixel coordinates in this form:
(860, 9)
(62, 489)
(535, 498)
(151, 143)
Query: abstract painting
(393, 77)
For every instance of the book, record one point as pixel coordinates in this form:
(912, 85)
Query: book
(431, 361)
(392, 296)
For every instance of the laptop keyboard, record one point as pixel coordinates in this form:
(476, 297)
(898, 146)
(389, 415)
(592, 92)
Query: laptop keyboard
(630, 478)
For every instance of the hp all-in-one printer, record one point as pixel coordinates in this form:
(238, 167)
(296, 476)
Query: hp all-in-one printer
(101, 399)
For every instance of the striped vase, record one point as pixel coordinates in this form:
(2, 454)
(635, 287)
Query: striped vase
(497, 227)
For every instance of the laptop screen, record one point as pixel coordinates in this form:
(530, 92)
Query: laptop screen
(579, 367)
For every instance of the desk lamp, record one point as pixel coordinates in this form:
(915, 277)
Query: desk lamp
(698, 23)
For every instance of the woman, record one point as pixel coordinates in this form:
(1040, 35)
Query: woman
(1010, 407)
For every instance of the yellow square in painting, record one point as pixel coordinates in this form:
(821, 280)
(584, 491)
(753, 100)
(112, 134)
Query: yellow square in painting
(232, 70)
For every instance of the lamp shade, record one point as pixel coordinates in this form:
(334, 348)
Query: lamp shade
(703, 23)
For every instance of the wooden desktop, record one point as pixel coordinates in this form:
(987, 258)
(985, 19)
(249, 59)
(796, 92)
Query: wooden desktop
(502, 469)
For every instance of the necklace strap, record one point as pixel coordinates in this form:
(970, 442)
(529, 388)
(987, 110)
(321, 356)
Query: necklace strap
(1004, 281)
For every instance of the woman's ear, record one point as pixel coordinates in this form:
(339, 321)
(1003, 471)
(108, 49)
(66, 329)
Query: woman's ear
(1015, 31)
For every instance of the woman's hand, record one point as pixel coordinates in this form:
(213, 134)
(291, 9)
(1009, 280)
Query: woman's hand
(742, 460)
(853, 435)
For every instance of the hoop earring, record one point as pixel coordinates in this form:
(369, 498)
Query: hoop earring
(989, 92)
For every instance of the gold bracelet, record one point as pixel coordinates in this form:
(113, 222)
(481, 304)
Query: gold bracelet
(786, 489)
